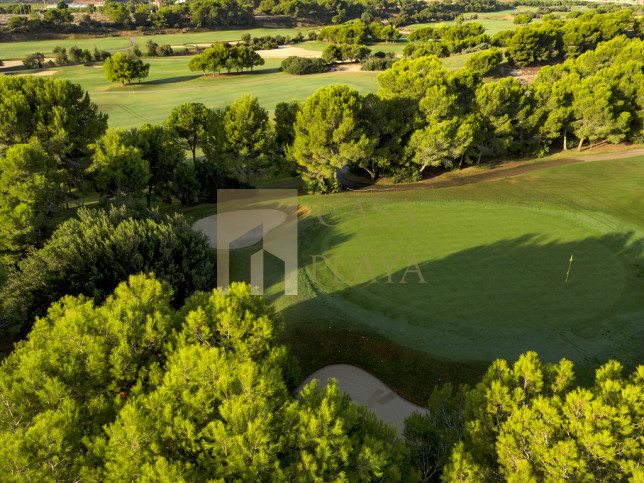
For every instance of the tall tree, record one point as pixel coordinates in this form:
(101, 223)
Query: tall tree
(285, 117)
(133, 388)
(56, 113)
(598, 111)
(247, 137)
(328, 135)
(29, 196)
(121, 68)
(118, 168)
(163, 150)
(527, 422)
(191, 122)
(508, 114)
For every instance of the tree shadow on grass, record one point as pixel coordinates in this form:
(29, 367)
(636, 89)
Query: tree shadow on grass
(492, 301)
(173, 80)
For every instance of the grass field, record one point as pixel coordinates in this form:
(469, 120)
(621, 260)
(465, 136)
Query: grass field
(172, 83)
(494, 258)
(492, 21)
(17, 50)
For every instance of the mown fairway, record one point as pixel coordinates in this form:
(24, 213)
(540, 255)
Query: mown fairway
(172, 83)
(494, 258)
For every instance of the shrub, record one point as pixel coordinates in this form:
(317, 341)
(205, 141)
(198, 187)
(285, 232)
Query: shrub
(379, 61)
(93, 253)
(302, 65)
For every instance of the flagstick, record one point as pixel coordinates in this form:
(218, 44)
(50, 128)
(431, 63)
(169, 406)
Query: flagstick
(569, 265)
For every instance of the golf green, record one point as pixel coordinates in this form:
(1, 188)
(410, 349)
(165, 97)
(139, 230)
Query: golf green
(466, 263)
(495, 261)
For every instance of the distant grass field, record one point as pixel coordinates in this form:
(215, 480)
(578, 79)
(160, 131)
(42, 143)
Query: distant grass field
(171, 83)
(494, 22)
(17, 50)
(494, 258)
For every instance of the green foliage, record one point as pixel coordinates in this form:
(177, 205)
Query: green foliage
(553, 40)
(118, 170)
(522, 19)
(163, 150)
(57, 114)
(285, 118)
(529, 423)
(218, 13)
(190, 121)
(93, 253)
(484, 62)
(221, 56)
(415, 50)
(354, 32)
(378, 61)
(345, 52)
(134, 389)
(29, 196)
(410, 78)
(327, 132)
(302, 65)
(121, 68)
(447, 33)
(245, 138)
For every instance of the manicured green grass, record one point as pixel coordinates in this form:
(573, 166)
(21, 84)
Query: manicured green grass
(218, 36)
(494, 257)
(17, 50)
(172, 83)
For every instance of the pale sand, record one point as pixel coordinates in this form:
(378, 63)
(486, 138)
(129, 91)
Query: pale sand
(42, 73)
(285, 51)
(348, 67)
(240, 221)
(12, 63)
(368, 390)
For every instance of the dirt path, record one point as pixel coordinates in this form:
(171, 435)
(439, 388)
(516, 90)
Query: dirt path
(369, 390)
(508, 170)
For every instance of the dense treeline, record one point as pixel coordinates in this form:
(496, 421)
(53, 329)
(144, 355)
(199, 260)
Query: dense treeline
(427, 116)
(130, 387)
(234, 13)
(357, 32)
(555, 40)
(137, 379)
(92, 253)
(550, 41)
(224, 56)
(529, 422)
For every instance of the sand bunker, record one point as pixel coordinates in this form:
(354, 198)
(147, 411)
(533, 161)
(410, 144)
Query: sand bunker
(12, 63)
(369, 390)
(285, 51)
(348, 68)
(42, 73)
(240, 221)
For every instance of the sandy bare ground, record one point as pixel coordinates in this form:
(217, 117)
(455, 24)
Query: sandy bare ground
(347, 68)
(12, 63)
(285, 51)
(238, 222)
(42, 73)
(368, 390)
